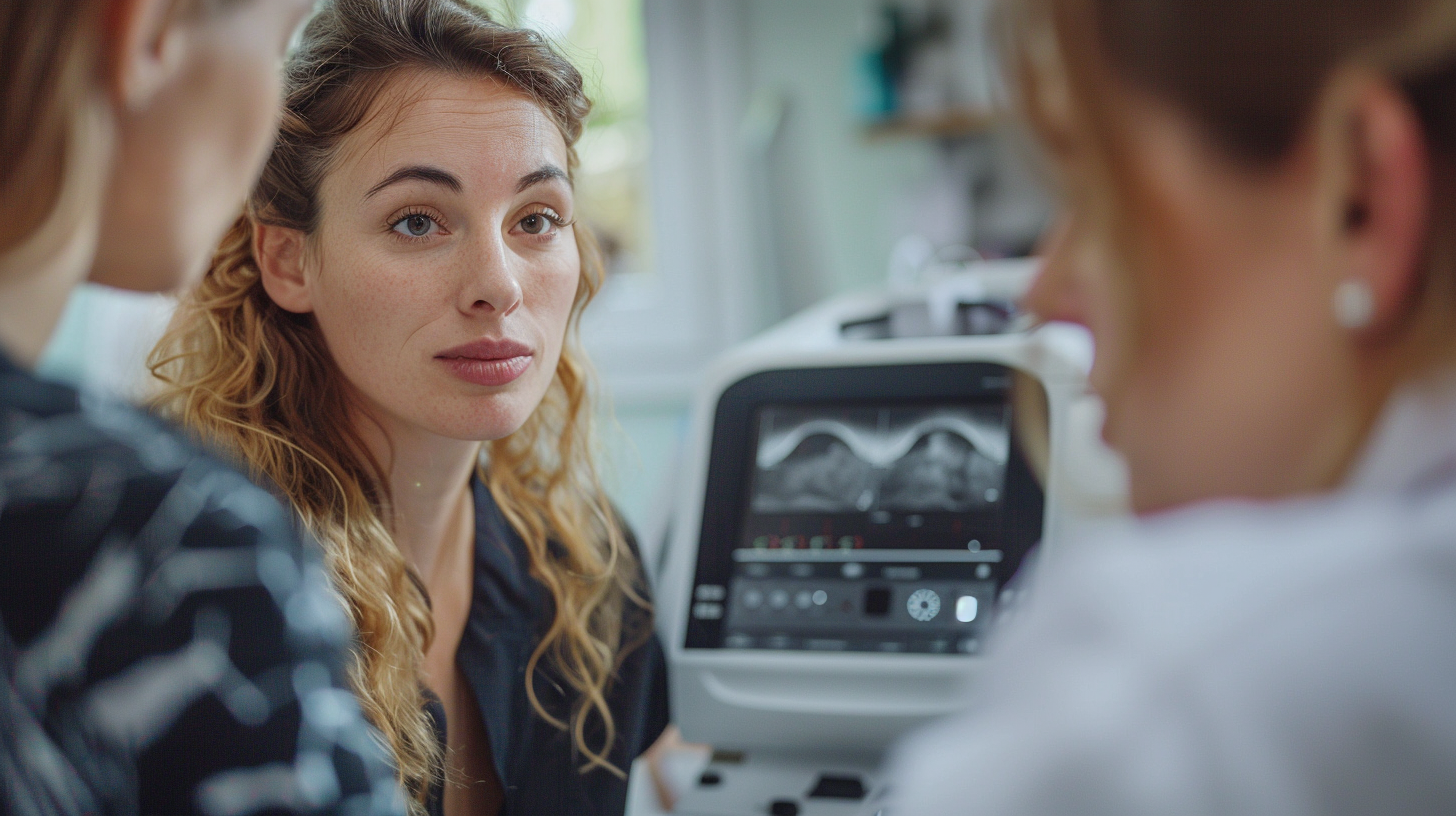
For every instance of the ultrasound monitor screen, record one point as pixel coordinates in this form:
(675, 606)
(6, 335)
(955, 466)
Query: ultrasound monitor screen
(846, 523)
(892, 477)
(858, 460)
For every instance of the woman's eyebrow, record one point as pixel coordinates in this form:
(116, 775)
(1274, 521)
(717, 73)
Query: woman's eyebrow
(546, 173)
(419, 172)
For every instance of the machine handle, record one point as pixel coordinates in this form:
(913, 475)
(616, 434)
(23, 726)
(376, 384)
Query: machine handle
(820, 701)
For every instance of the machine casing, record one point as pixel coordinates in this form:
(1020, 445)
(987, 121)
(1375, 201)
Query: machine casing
(796, 714)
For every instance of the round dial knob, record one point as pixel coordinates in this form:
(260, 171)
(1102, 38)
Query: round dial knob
(923, 605)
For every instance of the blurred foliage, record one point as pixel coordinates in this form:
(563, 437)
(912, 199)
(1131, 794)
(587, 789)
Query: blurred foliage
(604, 40)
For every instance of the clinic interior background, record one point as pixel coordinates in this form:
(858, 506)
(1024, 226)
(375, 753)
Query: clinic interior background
(746, 158)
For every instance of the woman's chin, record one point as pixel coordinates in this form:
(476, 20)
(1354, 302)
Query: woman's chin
(478, 427)
(444, 412)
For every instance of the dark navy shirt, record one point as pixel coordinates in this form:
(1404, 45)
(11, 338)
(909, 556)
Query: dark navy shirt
(534, 759)
(168, 644)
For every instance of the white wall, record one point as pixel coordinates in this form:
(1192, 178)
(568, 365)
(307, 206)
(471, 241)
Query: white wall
(839, 193)
(103, 340)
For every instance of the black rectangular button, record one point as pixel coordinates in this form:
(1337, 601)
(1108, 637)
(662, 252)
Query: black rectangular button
(835, 786)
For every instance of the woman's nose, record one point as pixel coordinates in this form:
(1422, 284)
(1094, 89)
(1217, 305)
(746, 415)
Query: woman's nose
(492, 280)
(1053, 294)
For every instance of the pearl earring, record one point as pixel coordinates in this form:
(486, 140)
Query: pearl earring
(1354, 304)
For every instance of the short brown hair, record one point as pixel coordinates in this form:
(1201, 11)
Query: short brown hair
(47, 54)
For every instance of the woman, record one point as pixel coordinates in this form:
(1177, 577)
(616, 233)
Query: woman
(1260, 232)
(145, 653)
(389, 336)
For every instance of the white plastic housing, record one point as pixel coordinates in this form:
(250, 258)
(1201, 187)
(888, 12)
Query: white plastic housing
(857, 704)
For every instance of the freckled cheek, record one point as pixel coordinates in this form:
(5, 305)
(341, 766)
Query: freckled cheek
(554, 292)
(372, 309)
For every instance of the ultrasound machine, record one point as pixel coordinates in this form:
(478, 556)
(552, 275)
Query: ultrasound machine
(862, 484)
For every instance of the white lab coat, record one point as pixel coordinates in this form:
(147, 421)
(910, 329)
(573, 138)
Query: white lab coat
(1291, 657)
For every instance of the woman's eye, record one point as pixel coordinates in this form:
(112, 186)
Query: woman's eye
(415, 226)
(535, 224)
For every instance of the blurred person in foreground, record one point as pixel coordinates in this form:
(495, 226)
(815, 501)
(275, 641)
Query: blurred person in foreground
(167, 644)
(1260, 232)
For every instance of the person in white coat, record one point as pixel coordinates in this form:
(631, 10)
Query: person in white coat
(1259, 229)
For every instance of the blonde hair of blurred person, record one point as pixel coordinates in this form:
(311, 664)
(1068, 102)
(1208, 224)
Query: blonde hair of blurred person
(1260, 225)
(130, 130)
(261, 379)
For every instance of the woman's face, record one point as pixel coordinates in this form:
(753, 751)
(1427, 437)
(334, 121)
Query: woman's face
(189, 150)
(444, 268)
(1217, 355)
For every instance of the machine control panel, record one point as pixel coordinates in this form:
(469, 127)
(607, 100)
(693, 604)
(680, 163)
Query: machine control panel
(847, 605)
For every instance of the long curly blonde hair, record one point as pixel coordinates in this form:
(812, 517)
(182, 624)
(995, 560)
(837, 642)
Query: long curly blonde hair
(259, 381)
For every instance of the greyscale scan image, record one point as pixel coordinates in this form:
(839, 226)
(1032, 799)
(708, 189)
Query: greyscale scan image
(848, 460)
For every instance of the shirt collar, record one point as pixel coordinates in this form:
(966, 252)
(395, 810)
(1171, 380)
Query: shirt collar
(23, 390)
(1414, 441)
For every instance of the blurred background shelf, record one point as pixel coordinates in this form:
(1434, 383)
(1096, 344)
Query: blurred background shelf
(948, 124)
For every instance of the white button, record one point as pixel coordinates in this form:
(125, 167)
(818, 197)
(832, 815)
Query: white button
(710, 592)
(966, 608)
(820, 597)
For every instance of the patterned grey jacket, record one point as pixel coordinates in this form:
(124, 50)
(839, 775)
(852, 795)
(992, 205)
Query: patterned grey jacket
(168, 645)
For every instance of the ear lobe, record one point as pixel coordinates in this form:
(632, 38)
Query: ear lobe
(146, 41)
(1388, 209)
(279, 252)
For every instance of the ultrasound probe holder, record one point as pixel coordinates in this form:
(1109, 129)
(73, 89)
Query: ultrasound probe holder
(798, 645)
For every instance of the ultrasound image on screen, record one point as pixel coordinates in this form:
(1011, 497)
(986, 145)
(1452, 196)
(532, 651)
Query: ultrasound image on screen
(895, 459)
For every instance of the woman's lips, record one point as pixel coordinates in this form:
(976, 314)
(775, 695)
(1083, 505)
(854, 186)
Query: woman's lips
(487, 362)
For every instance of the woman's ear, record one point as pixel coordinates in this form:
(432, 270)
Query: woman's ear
(280, 253)
(1385, 205)
(147, 40)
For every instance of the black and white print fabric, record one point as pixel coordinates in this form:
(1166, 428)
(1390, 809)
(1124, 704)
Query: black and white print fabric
(168, 644)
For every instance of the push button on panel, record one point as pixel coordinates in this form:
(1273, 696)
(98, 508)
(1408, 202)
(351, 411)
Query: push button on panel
(710, 592)
(838, 786)
(877, 602)
(923, 605)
